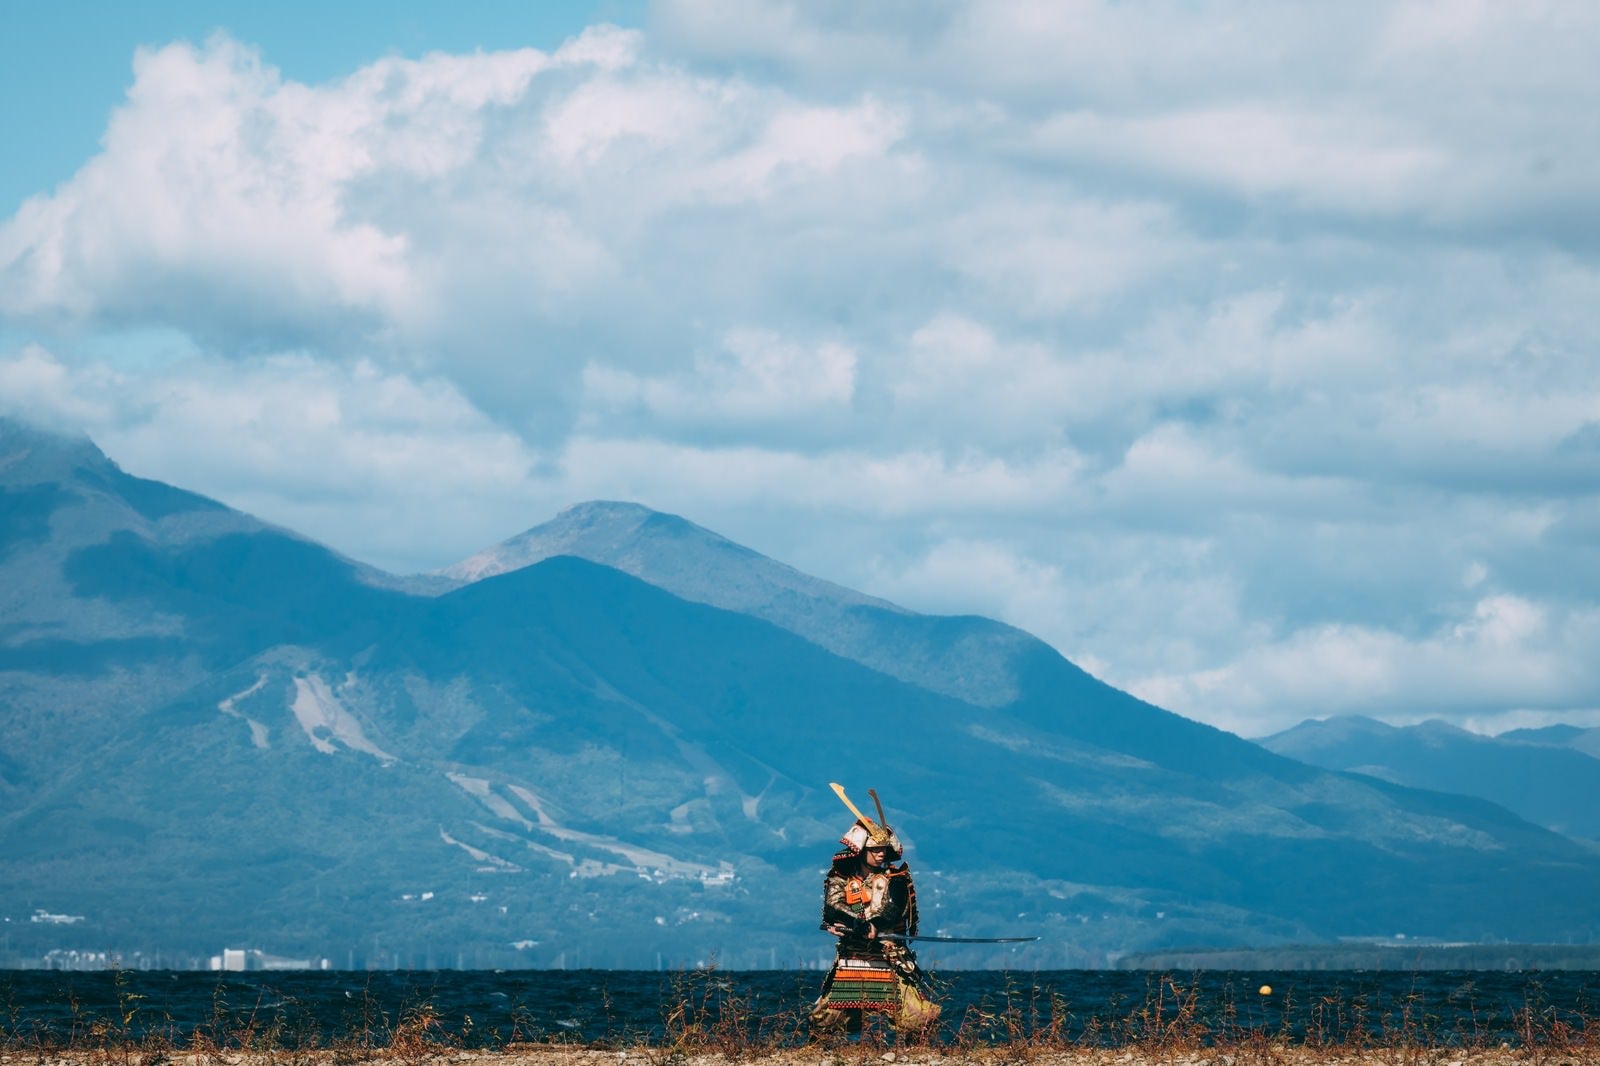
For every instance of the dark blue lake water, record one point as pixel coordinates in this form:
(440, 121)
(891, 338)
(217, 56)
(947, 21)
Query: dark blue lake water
(485, 1009)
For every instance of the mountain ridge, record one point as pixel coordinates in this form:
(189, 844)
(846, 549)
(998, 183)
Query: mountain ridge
(957, 656)
(1536, 774)
(566, 761)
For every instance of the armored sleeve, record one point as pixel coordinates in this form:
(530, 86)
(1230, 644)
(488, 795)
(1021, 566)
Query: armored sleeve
(897, 906)
(834, 911)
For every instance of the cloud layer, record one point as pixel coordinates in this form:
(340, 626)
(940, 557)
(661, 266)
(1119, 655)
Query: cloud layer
(1245, 354)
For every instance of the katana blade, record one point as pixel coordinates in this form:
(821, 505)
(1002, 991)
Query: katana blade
(960, 939)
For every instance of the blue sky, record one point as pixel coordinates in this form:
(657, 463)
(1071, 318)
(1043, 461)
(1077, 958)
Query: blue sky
(63, 67)
(1245, 352)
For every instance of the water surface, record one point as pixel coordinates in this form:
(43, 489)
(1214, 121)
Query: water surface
(490, 1008)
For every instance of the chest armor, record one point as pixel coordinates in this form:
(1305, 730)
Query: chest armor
(865, 896)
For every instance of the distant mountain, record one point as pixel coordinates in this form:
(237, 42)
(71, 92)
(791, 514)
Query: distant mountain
(970, 658)
(977, 660)
(120, 593)
(1544, 775)
(1559, 736)
(217, 733)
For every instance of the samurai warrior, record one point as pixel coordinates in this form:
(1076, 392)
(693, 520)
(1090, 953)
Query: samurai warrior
(864, 896)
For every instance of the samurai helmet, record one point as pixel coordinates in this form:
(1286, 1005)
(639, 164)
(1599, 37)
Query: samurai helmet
(865, 833)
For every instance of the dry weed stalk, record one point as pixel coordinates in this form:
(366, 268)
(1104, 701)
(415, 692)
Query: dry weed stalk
(707, 1017)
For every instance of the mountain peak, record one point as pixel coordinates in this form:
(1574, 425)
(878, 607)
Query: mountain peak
(31, 455)
(969, 658)
(666, 550)
(1339, 728)
(603, 531)
(1560, 734)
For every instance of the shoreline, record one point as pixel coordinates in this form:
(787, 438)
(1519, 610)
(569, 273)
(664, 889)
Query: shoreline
(1265, 1053)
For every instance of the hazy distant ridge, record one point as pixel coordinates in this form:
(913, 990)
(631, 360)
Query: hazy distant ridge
(219, 732)
(1547, 776)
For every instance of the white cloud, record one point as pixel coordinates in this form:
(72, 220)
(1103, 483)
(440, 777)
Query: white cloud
(209, 191)
(1510, 654)
(956, 380)
(1350, 163)
(753, 376)
(1050, 258)
(915, 484)
(401, 472)
(1453, 113)
(807, 140)
(959, 576)
(231, 202)
(34, 385)
(1244, 352)
(597, 116)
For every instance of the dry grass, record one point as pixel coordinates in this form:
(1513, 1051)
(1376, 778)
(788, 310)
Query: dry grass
(1266, 1053)
(706, 1021)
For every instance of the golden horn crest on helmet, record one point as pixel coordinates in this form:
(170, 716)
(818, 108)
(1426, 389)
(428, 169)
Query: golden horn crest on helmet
(878, 831)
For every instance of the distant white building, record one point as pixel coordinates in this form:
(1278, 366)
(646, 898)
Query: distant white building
(721, 877)
(235, 959)
(47, 918)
